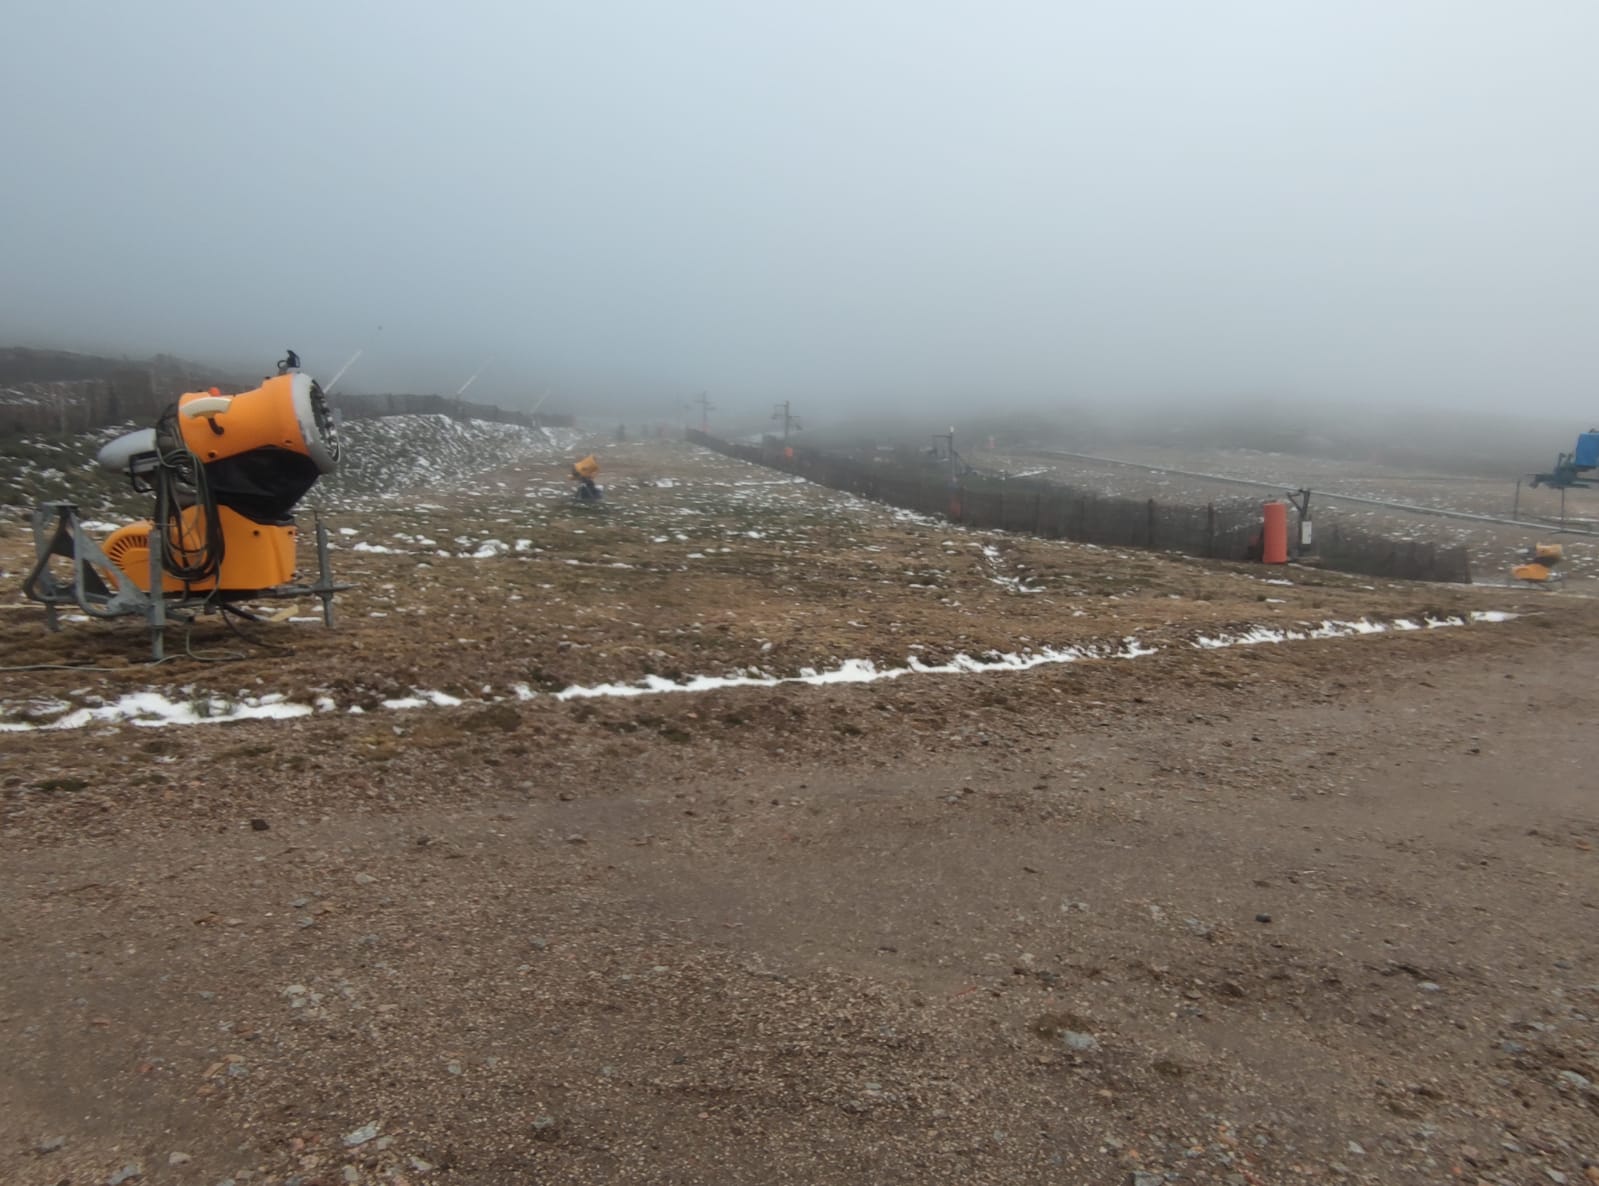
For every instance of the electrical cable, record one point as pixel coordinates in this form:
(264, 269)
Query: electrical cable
(188, 556)
(230, 612)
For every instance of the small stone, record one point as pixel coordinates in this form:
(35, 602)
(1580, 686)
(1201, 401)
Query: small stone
(1081, 1042)
(420, 1166)
(178, 1159)
(454, 1068)
(259, 825)
(50, 1144)
(304, 922)
(1145, 1178)
(351, 1175)
(538, 943)
(126, 1174)
(1430, 986)
(208, 996)
(364, 879)
(574, 838)
(300, 903)
(1262, 918)
(546, 1128)
(1355, 1149)
(1555, 1176)
(361, 1136)
(1573, 1079)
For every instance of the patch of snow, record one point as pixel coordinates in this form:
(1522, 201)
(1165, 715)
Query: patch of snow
(153, 709)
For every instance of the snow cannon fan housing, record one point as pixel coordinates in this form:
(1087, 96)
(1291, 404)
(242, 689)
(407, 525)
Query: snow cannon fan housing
(235, 466)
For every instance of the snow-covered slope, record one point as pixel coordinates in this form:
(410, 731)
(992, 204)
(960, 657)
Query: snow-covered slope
(381, 456)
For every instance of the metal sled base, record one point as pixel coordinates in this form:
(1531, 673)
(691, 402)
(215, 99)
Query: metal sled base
(95, 585)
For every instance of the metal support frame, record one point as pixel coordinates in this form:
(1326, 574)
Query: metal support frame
(102, 590)
(1300, 501)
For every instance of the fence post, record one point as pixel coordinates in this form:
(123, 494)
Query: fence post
(1151, 543)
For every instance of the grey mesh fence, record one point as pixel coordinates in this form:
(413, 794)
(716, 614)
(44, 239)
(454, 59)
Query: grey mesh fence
(1224, 530)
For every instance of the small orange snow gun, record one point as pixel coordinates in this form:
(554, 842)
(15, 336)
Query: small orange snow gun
(584, 472)
(1540, 564)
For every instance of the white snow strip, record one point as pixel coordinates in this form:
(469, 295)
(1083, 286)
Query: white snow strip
(155, 709)
(1256, 635)
(860, 671)
(421, 699)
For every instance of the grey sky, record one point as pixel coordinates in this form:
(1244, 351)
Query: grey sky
(839, 203)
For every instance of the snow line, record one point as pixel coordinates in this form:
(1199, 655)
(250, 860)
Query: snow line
(152, 709)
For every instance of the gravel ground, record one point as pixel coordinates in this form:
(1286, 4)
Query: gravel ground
(1267, 913)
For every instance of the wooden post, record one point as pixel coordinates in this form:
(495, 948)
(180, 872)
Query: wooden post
(1515, 507)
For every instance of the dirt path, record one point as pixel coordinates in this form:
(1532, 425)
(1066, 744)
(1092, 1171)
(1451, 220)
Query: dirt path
(1016, 937)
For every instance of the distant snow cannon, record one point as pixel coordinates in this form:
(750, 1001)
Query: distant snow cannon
(226, 472)
(1539, 564)
(583, 473)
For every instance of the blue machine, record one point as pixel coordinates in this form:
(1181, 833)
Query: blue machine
(1574, 468)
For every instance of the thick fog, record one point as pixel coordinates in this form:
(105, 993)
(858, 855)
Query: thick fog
(850, 205)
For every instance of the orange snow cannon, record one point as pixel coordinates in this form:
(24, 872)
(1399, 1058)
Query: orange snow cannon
(239, 464)
(226, 472)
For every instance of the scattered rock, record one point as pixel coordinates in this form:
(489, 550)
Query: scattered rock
(353, 1140)
(49, 1144)
(178, 1159)
(1262, 918)
(126, 1174)
(1079, 1041)
(1145, 1178)
(546, 1128)
(364, 879)
(1356, 1149)
(1579, 1081)
(259, 825)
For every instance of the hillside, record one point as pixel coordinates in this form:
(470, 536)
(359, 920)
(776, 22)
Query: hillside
(58, 391)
